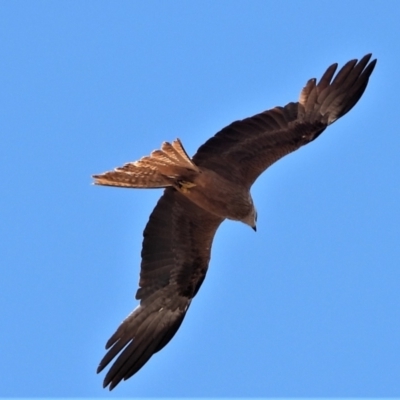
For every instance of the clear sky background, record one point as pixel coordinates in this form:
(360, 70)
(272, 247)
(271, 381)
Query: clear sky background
(307, 306)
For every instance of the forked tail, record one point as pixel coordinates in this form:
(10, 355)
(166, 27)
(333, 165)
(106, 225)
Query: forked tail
(161, 169)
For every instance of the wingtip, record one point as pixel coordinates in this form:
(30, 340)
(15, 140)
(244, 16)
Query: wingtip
(100, 367)
(107, 382)
(111, 383)
(367, 60)
(373, 63)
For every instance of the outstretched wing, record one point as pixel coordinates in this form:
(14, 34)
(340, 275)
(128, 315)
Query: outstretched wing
(175, 256)
(244, 149)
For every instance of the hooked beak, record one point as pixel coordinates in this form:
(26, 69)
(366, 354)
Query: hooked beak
(254, 228)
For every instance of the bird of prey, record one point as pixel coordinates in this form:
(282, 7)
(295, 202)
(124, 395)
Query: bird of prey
(200, 192)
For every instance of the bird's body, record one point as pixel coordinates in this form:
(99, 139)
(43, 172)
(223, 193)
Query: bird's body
(201, 192)
(221, 197)
(204, 187)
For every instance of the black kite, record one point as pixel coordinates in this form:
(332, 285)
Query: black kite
(199, 194)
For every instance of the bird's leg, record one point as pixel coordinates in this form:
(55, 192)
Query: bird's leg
(184, 186)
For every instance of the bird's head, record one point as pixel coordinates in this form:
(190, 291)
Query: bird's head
(251, 218)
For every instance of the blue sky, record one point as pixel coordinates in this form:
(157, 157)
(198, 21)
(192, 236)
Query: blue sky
(307, 306)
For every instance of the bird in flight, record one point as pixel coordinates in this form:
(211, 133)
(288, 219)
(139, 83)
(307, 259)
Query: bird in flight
(200, 192)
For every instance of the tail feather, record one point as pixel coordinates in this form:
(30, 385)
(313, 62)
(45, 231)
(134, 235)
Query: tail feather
(178, 153)
(140, 177)
(158, 170)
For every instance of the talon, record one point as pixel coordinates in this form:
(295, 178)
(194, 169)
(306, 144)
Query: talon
(184, 186)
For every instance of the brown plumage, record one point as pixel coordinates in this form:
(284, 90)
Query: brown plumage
(200, 193)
